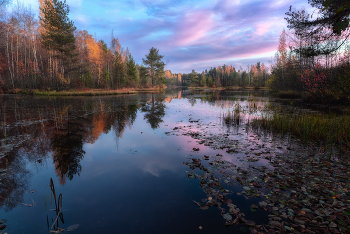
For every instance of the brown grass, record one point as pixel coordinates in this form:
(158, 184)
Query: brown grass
(92, 92)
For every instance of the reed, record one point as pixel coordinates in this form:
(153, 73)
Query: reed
(233, 117)
(327, 128)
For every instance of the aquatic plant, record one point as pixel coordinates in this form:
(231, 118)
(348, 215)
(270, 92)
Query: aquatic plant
(233, 117)
(327, 129)
(58, 209)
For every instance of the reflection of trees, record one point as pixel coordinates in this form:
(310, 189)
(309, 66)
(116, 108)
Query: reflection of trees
(67, 147)
(123, 116)
(14, 180)
(192, 101)
(37, 128)
(154, 112)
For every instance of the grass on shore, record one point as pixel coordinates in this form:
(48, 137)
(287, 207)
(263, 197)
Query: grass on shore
(228, 88)
(290, 94)
(329, 129)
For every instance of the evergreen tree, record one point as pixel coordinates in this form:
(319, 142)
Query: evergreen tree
(155, 66)
(106, 78)
(193, 78)
(144, 76)
(332, 14)
(57, 36)
(203, 80)
(133, 76)
(120, 71)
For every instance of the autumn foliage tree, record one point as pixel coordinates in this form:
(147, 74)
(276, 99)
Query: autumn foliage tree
(50, 53)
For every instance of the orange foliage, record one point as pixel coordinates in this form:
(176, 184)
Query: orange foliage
(41, 5)
(168, 74)
(282, 49)
(99, 124)
(85, 42)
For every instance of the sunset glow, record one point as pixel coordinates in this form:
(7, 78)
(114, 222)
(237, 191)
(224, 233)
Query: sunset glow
(190, 34)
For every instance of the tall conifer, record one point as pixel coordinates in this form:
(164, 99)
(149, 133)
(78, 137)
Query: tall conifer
(155, 66)
(57, 36)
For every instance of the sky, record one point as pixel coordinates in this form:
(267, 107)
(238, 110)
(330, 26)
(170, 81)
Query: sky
(191, 34)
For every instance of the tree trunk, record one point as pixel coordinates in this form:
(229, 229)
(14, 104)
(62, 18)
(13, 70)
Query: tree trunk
(8, 57)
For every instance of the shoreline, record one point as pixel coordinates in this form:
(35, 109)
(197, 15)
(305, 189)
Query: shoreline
(89, 92)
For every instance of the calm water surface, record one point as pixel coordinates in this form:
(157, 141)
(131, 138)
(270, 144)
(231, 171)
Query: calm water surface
(121, 162)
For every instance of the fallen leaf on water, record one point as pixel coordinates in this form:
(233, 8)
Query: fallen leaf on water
(72, 227)
(253, 207)
(227, 217)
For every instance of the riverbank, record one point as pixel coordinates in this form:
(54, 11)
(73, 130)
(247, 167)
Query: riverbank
(227, 88)
(87, 92)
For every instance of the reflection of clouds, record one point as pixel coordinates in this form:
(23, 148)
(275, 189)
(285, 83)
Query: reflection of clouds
(119, 166)
(157, 164)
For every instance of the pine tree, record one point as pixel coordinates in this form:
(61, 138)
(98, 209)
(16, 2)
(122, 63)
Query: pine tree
(57, 36)
(59, 30)
(144, 76)
(120, 71)
(155, 66)
(132, 72)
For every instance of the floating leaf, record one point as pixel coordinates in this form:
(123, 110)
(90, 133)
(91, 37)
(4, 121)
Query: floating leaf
(250, 223)
(332, 225)
(227, 216)
(72, 227)
(253, 207)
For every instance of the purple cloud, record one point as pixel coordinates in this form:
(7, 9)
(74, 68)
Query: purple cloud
(191, 34)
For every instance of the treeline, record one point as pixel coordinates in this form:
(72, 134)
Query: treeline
(50, 53)
(225, 76)
(313, 55)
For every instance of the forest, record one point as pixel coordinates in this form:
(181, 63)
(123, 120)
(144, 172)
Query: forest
(312, 60)
(49, 53)
(255, 75)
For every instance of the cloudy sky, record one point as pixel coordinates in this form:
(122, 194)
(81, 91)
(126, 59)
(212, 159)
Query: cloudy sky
(191, 34)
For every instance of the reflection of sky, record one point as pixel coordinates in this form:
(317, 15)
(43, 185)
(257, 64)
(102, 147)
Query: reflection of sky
(138, 182)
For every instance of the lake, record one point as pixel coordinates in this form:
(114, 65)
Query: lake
(175, 162)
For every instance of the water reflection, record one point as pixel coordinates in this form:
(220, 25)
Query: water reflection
(67, 146)
(36, 129)
(59, 127)
(14, 179)
(154, 111)
(79, 136)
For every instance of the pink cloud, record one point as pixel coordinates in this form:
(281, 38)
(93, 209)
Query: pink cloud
(193, 26)
(263, 28)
